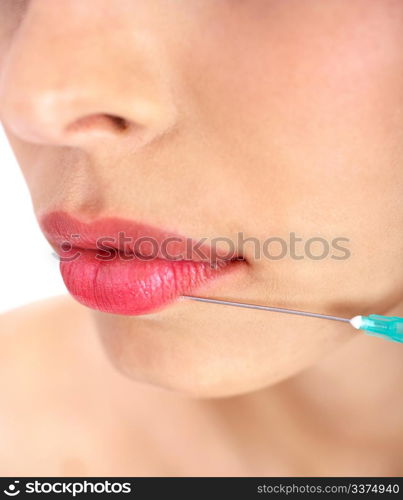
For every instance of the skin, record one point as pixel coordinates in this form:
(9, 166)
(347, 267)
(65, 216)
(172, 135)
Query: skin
(286, 118)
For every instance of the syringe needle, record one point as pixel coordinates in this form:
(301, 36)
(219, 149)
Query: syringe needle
(266, 308)
(387, 327)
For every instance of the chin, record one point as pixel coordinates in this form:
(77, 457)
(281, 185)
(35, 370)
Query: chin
(189, 361)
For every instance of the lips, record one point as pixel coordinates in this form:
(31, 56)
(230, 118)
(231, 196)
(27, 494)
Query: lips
(121, 267)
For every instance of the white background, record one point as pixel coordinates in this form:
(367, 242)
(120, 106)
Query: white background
(28, 269)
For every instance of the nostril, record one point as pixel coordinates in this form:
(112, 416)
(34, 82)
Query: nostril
(99, 122)
(121, 123)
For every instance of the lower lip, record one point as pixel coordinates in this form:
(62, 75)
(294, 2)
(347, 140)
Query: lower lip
(134, 286)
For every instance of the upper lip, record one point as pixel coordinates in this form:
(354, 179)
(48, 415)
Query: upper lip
(126, 236)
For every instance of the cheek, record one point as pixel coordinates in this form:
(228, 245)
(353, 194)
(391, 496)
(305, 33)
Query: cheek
(290, 90)
(312, 106)
(309, 116)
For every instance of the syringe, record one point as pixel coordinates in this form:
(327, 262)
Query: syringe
(387, 327)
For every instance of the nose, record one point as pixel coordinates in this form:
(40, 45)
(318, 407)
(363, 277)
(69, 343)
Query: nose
(68, 79)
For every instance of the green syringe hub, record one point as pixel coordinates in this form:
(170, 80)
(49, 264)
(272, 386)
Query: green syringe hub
(387, 327)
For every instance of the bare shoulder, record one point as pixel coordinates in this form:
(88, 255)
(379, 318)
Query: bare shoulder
(64, 409)
(45, 348)
(37, 315)
(31, 334)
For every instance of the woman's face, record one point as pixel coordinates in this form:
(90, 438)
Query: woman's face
(215, 119)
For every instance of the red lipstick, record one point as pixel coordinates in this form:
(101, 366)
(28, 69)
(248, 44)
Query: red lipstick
(123, 267)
